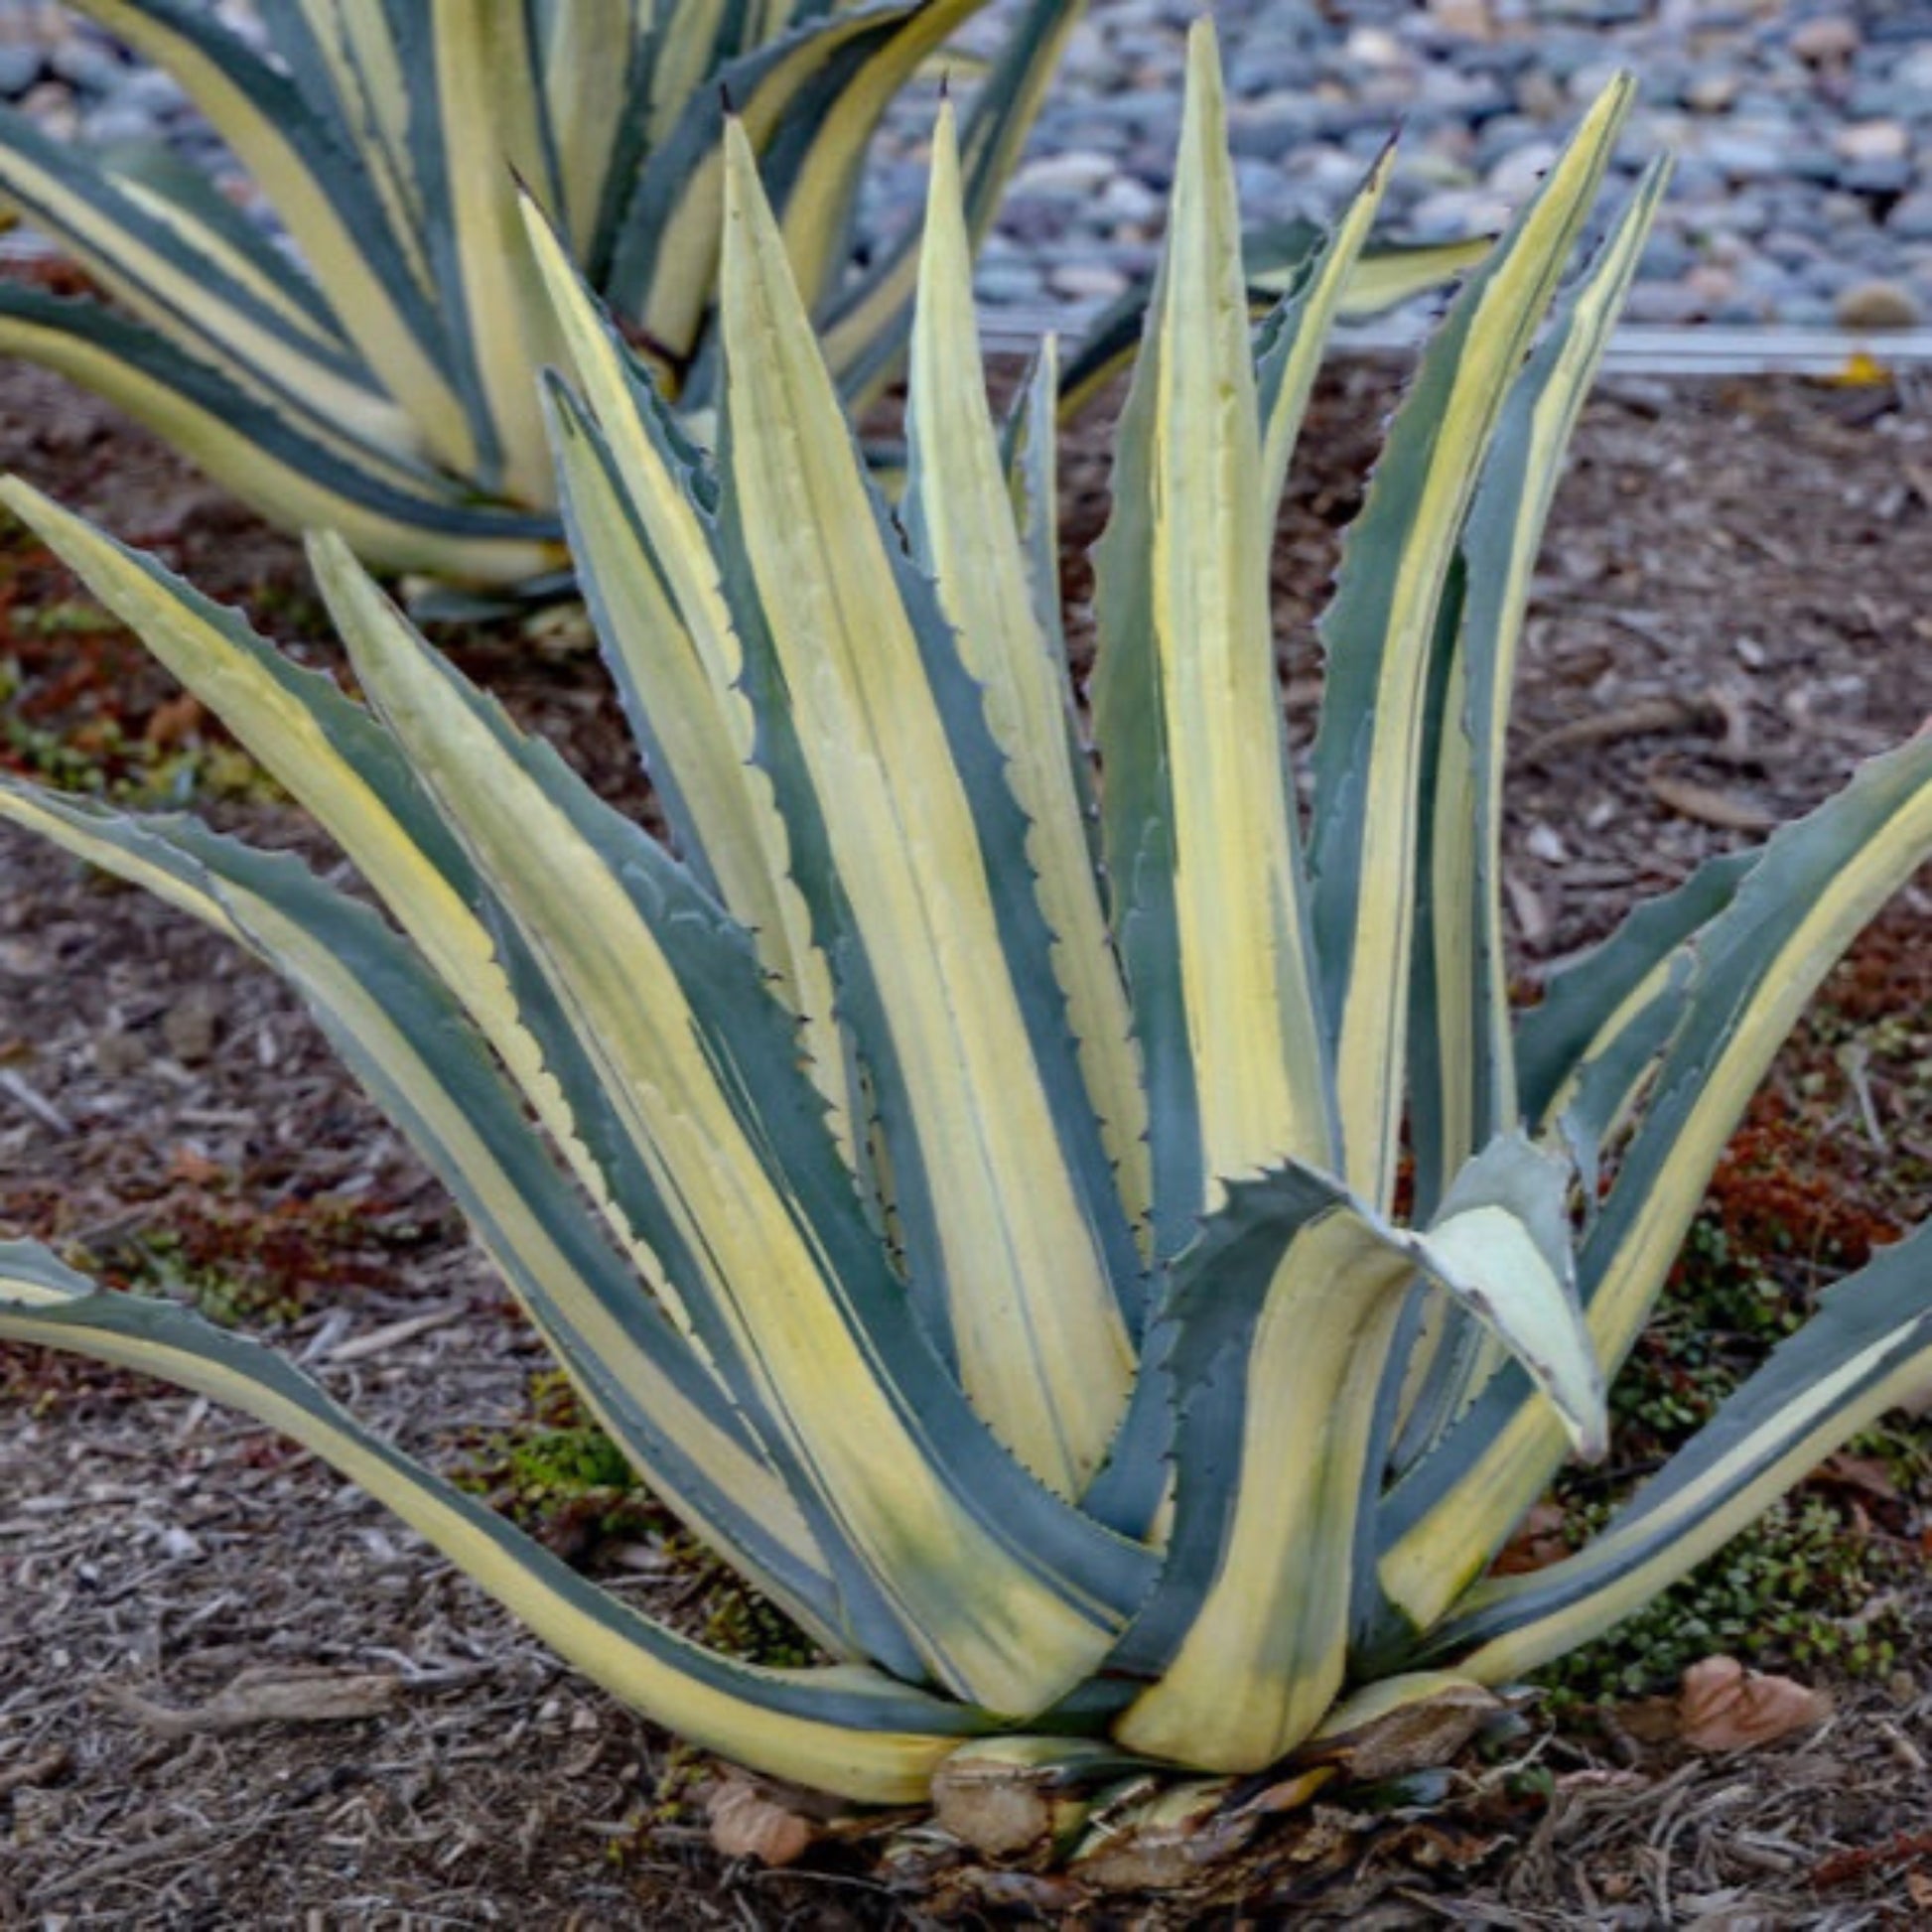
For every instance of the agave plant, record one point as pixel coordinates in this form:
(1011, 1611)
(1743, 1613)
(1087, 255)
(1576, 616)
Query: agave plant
(379, 382)
(979, 1222)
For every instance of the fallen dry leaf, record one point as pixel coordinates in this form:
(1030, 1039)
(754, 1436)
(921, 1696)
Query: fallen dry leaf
(1640, 718)
(1863, 1473)
(266, 1697)
(1418, 1734)
(1539, 1542)
(1709, 806)
(1723, 1706)
(747, 1823)
(173, 720)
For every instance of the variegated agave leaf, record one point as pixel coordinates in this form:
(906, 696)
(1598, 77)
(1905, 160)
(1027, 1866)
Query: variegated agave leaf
(379, 382)
(978, 1224)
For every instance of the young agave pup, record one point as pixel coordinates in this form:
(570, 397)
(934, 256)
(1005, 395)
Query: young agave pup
(1146, 1432)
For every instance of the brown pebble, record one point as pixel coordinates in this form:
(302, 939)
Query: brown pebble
(188, 1027)
(1876, 305)
(117, 1055)
(1828, 38)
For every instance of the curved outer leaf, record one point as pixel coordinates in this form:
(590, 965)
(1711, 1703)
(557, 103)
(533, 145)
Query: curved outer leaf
(864, 327)
(1594, 1001)
(1274, 261)
(644, 554)
(349, 774)
(843, 1728)
(959, 517)
(186, 201)
(1380, 631)
(332, 759)
(1009, 1595)
(1198, 816)
(818, 94)
(399, 1032)
(1291, 342)
(184, 283)
(912, 854)
(1463, 1075)
(335, 217)
(1386, 277)
(345, 60)
(401, 519)
(1868, 1348)
(1281, 1316)
(1466, 1065)
(1813, 885)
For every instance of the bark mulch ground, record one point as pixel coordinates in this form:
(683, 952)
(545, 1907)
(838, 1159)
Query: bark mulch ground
(1730, 614)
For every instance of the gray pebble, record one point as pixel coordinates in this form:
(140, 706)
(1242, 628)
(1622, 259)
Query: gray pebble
(19, 67)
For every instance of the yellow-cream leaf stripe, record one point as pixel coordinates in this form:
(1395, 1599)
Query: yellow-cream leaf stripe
(990, 1626)
(1381, 630)
(1022, 1254)
(489, 136)
(254, 110)
(261, 457)
(960, 516)
(843, 1728)
(665, 267)
(663, 616)
(1200, 839)
(178, 276)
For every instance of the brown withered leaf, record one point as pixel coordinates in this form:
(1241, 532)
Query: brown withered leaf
(1709, 806)
(1420, 1734)
(173, 720)
(1865, 1474)
(1639, 719)
(1539, 1542)
(266, 1697)
(1723, 1706)
(748, 1823)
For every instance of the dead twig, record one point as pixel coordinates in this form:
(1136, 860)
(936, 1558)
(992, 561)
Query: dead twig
(35, 1770)
(266, 1697)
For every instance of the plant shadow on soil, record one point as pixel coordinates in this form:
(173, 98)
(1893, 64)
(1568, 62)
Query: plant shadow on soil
(1728, 617)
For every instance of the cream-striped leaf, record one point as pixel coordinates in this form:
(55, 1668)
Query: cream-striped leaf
(843, 1728)
(1816, 884)
(959, 517)
(1202, 837)
(912, 852)
(1281, 1316)
(1007, 1594)
(1380, 630)
(397, 1029)
(400, 514)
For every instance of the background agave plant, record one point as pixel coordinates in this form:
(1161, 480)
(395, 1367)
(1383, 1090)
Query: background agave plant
(991, 1249)
(378, 380)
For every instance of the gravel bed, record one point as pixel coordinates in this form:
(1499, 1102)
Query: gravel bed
(1803, 134)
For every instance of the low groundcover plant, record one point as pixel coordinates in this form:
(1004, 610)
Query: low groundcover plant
(974, 1200)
